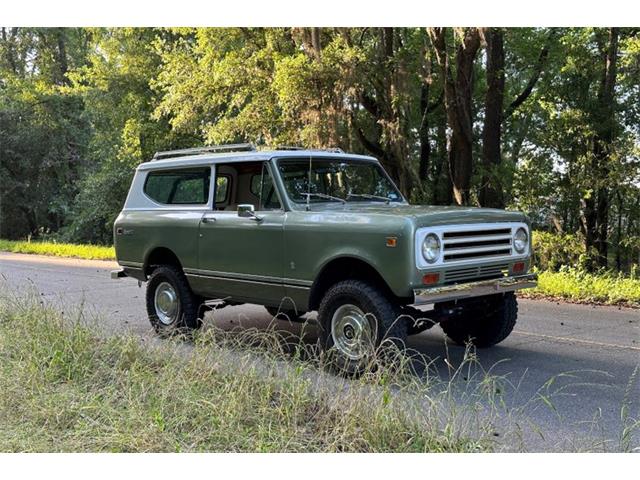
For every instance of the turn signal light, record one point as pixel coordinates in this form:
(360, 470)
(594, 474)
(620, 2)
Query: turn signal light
(518, 267)
(430, 278)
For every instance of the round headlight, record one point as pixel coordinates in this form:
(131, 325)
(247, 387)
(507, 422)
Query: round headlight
(520, 240)
(431, 248)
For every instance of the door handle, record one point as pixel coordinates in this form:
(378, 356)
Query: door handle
(208, 219)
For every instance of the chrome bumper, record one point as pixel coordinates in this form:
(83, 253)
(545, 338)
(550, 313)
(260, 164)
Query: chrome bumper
(474, 289)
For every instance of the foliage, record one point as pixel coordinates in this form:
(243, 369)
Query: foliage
(580, 286)
(553, 251)
(91, 252)
(80, 108)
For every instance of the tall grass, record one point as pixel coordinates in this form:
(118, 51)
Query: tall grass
(90, 252)
(65, 388)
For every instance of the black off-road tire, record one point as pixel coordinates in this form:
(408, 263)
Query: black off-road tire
(485, 322)
(389, 331)
(187, 317)
(289, 315)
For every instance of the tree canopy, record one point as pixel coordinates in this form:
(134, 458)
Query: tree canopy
(544, 120)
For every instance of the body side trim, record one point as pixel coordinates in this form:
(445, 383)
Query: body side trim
(248, 277)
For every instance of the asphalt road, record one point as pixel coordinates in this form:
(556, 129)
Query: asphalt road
(590, 352)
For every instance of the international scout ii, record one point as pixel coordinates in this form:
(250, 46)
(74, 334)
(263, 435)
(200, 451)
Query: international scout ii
(327, 231)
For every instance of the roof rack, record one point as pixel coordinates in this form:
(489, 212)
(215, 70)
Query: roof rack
(232, 147)
(293, 147)
(288, 147)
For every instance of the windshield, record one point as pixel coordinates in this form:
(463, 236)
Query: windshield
(332, 180)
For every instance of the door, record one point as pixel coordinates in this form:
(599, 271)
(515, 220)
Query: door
(240, 257)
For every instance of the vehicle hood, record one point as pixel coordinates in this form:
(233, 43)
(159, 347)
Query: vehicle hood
(428, 215)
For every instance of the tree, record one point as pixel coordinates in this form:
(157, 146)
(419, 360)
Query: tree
(546, 120)
(43, 134)
(458, 88)
(596, 202)
(491, 192)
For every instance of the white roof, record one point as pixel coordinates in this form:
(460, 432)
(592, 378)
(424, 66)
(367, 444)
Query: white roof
(229, 157)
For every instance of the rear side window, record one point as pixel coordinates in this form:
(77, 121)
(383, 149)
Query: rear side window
(179, 187)
(222, 188)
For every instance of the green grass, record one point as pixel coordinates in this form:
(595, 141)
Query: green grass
(63, 387)
(579, 286)
(90, 252)
(67, 386)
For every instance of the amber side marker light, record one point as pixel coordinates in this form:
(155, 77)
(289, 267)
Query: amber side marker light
(518, 267)
(430, 278)
(392, 242)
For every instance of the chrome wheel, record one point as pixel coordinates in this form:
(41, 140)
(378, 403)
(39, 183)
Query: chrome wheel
(166, 303)
(351, 331)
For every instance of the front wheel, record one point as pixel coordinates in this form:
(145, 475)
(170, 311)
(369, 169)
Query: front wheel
(484, 322)
(356, 319)
(171, 305)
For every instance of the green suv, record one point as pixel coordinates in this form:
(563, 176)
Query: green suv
(307, 230)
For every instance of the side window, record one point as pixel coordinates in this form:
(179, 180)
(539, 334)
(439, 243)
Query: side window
(179, 187)
(266, 191)
(256, 181)
(222, 188)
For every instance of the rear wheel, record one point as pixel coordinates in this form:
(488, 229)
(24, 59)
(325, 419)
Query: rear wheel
(484, 322)
(356, 319)
(171, 305)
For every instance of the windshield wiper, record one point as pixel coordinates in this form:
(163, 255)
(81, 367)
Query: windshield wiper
(367, 195)
(322, 195)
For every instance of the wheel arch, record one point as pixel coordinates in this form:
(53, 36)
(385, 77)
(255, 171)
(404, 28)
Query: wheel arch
(346, 267)
(160, 256)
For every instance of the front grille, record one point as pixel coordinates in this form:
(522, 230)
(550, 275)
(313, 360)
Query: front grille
(474, 244)
(486, 272)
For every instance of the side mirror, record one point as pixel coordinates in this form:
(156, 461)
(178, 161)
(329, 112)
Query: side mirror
(248, 211)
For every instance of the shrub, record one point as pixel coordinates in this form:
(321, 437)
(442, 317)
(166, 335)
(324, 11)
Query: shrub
(554, 250)
(580, 286)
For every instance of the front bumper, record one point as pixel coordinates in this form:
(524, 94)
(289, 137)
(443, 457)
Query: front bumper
(474, 289)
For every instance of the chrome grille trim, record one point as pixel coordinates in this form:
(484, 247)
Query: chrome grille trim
(464, 274)
(470, 244)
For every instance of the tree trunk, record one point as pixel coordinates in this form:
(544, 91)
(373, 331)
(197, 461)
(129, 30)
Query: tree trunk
(315, 41)
(596, 203)
(619, 232)
(491, 194)
(425, 147)
(442, 195)
(458, 94)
